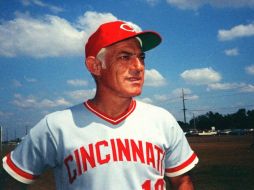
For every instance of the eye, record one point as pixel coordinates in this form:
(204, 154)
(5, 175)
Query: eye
(125, 57)
(142, 57)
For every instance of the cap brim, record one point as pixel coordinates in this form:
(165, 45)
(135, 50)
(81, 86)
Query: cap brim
(149, 40)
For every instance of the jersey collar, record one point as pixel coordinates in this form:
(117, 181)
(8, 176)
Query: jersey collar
(88, 104)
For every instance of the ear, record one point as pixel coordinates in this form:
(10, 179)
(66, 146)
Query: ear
(93, 65)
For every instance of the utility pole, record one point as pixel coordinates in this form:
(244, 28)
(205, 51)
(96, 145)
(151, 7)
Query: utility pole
(184, 109)
(194, 121)
(1, 140)
(26, 130)
(7, 135)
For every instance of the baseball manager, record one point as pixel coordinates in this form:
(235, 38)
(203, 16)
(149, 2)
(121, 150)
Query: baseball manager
(112, 141)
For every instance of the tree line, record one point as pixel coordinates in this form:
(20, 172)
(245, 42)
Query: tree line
(242, 119)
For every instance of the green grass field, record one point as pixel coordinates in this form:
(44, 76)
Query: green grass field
(226, 163)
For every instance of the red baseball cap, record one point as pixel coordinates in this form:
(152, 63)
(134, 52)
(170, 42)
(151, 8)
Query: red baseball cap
(113, 32)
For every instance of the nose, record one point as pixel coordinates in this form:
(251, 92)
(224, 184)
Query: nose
(138, 63)
(137, 66)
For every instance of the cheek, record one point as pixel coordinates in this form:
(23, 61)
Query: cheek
(114, 76)
(121, 71)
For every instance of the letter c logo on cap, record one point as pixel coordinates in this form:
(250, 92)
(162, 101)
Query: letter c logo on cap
(127, 28)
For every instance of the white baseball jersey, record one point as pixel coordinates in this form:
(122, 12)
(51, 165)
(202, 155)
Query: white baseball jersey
(89, 150)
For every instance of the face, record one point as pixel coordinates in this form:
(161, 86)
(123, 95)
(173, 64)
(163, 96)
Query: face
(124, 72)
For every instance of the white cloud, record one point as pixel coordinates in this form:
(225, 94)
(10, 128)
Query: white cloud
(39, 3)
(152, 2)
(241, 87)
(90, 21)
(50, 36)
(201, 76)
(82, 95)
(161, 97)
(30, 80)
(179, 91)
(33, 102)
(192, 97)
(247, 88)
(232, 52)
(176, 95)
(154, 78)
(225, 86)
(187, 93)
(185, 4)
(196, 4)
(250, 69)
(77, 82)
(16, 83)
(146, 100)
(236, 32)
(5, 114)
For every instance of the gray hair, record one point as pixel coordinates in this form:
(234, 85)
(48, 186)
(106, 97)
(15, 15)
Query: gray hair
(101, 57)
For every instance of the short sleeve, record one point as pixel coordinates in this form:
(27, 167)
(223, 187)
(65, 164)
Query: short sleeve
(35, 153)
(179, 158)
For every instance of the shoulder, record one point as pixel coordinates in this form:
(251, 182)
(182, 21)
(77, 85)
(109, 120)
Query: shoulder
(157, 116)
(65, 115)
(56, 120)
(55, 123)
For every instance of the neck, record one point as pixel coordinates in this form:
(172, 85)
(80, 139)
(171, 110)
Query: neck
(112, 107)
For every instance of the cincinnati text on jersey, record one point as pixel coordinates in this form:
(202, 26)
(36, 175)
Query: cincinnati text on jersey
(114, 150)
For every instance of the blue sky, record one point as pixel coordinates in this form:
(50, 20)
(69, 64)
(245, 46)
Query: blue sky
(207, 51)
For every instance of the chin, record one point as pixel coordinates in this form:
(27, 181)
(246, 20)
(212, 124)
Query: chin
(132, 92)
(136, 94)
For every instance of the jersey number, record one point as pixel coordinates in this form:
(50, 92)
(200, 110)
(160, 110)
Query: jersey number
(159, 185)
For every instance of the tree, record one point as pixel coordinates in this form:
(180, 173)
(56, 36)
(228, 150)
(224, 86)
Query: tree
(242, 119)
(250, 119)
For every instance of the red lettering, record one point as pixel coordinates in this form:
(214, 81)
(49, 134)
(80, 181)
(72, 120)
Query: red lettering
(159, 158)
(113, 146)
(146, 185)
(150, 155)
(113, 150)
(71, 177)
(76, 153)
(159, 185)
(87, 157)
(137, 151)
(123, 149)
(98, 152)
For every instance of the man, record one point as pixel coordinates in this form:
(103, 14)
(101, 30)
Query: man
(111, 141)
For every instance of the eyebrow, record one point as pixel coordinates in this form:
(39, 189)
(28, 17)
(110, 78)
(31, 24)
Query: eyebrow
(129, 53)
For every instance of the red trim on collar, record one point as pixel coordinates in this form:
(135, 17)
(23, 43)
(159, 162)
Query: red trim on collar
(88, 104)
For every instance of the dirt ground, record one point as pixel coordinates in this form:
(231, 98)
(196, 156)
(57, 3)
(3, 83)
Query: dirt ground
(226, 163)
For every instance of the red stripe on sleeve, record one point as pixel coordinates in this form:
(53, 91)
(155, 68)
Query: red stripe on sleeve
(183, 165)
(18, 171)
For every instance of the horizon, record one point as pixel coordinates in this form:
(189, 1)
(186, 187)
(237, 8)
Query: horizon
(207, 50)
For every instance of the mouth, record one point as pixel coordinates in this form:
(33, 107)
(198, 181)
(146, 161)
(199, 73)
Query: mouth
(134, 79)
(137, 81)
